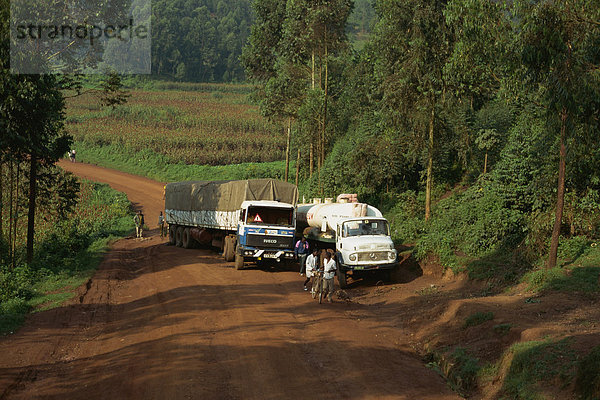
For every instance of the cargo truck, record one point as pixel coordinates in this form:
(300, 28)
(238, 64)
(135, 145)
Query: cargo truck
(248, 220)
(358, 233)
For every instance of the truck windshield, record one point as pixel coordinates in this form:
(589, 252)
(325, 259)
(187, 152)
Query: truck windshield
(270, 216)
(365, 227)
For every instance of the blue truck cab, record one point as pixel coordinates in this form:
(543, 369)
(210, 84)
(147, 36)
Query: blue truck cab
(265, 231)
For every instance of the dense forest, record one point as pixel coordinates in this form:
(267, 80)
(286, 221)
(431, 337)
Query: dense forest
(476, 121)
(202, 40)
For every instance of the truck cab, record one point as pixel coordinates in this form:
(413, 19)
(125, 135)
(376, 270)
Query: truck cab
(364, 244)
(265, 231)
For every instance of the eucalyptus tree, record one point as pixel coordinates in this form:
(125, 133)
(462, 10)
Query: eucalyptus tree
(31, 111)
(559, 53)
(414, 44)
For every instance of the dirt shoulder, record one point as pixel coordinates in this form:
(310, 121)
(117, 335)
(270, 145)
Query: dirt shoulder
(159, 322)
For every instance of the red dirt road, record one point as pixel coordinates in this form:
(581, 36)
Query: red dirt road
(161, 322)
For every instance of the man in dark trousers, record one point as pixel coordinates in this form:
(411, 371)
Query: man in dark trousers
(302, 252)
(139, 223)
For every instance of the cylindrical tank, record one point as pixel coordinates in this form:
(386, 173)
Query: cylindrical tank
(316, 215)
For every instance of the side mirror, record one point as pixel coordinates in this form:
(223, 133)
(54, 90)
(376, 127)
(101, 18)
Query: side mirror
(324, 225)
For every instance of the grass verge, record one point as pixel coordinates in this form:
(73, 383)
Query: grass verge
(67, 257)
(161, 168)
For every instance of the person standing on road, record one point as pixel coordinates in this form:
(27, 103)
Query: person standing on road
(139, 223)
(302, 252)
(311, 266)
(161, 225)
(329, 268)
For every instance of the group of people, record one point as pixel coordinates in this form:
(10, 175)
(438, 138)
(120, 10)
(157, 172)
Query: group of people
(138, 220)
(311, 263)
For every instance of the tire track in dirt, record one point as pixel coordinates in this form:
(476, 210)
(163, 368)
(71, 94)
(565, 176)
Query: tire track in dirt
(159, 322)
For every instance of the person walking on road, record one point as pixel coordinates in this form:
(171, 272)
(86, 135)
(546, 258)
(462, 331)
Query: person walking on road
(302, 252)
(162, 225)
(139, 224)
(311, 266)
(329, 268)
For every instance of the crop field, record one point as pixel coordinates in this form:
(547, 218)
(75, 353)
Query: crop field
(211, 127)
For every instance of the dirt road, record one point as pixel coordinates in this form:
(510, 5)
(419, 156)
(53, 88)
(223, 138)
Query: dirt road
(160, 322)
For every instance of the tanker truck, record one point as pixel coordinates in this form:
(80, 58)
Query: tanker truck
(356, 231)
(248, 220)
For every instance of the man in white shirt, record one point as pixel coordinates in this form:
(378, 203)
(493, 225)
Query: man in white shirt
(329, 267)
(311, 266)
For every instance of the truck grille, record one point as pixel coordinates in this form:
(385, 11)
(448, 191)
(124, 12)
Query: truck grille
(373, 256)
(273, 242)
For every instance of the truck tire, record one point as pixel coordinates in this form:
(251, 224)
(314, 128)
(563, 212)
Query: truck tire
(229, 248)
(179, 236)
(342, 279)
(172, 234)
(341, 275)
(239, 261)
(186, 239)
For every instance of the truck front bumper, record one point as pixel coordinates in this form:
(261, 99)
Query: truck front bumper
(265, 254)
(350, 269)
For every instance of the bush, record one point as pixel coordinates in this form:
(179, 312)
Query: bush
(15, 283)
(12, 314)
(474, 223)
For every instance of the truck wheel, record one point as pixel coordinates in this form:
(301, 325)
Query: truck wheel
(239, 261)
(172, 234)
(229, 250)
(186, 239)
(342, 279)
(179, 236)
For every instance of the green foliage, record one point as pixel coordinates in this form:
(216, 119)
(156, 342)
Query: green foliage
(193, 127)
(587, 383)
(66, 253)
(162, 168)
(15, 283)
(199, 40)
(458, 367)
(12, 314)
(578, 269)
(536, 362)
(406, 217)
(464, 374)
(475, 222)
(478, 318)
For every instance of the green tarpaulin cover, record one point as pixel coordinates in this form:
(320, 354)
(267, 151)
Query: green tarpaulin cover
(226, 195)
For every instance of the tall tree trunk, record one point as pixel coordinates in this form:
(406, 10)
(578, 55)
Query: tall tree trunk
(312, 71)
(560, 198)
(1, 200)
(298, 167)
(311, 160)
(287, 148)
(11, 187)
(325, 87)
(31, 214)
(15, 217)
(429, 184)
(485, 164)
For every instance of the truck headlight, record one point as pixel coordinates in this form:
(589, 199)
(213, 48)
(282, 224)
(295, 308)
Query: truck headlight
(392, 255)
(352, 257)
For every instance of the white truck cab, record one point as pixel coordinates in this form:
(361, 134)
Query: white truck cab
(358, 232)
